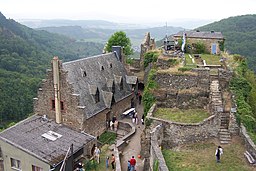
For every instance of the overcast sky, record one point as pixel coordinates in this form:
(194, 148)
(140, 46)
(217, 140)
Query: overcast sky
(127, 11)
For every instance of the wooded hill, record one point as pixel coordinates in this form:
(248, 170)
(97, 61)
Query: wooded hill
(240, 35)
(25, 54)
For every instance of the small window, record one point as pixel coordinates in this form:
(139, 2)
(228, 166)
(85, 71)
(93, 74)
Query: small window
(110, 65)
(36, 168)
(1, 154)
(102, 68)
(121, 84)
(61, 105)
(53, 104)
(97, 96)
(15, 164)
(84, 74)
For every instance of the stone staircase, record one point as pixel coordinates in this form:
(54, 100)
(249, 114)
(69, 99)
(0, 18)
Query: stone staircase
(217, 104)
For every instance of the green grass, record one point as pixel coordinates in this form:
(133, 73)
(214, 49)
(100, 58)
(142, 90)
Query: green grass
(188, 60)
(201, 157)
(107, 138)
(211, 59)
(183, 116)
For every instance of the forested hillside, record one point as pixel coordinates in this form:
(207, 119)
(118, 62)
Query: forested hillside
(240, 35)
(102, 35)
(25, 54)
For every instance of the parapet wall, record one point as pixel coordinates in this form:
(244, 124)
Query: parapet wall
(249, 144)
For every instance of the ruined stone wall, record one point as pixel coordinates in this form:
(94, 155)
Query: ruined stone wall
(175, 133)
(118, 108)
(224, 77)
(249, 144)
(147, 44)
(183, 90)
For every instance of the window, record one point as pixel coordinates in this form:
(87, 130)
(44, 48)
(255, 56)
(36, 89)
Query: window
(61, 105)
(36, 168)
(102, 68)
(15, 164)
(84, 74)
(53, 104)
(121, 84)
(110, 65)
(97, 96)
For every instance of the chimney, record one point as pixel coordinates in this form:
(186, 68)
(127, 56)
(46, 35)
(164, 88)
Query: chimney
(56, 83)
(118, 51)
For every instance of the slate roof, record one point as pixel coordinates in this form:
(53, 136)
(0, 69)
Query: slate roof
(103, 72)
(27, 136)
(201, 34)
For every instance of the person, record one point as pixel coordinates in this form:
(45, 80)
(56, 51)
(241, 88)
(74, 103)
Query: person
(128, 166)
(80, 166)
(133, 163)
(134, 117)
(113, 160)
(111, 125)
(140, 98)
(142, 119)
(97, 154)
(218, 153)
(107, 162)
(115, 125)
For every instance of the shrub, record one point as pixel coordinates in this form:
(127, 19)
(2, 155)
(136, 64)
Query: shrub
(183, 69)
(150, 57)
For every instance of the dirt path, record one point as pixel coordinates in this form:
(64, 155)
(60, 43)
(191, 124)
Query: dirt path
(133, 148)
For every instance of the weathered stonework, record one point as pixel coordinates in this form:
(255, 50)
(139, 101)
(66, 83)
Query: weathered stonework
(249, 145)
(147, 44)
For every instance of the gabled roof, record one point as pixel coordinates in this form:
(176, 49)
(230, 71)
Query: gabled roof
(99, 74)
(27, 136)
(200, 34)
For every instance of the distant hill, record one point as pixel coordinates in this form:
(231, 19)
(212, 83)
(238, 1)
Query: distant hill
(240, 35)
(102, 35)
(25, 54)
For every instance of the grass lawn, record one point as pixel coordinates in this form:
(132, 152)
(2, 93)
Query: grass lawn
(201, 157)
(211, 59)
(188, 60)
(107, 138)
(183, 116)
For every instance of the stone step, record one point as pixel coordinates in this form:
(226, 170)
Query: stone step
(222, 137)
(224, 133)
(224, 142)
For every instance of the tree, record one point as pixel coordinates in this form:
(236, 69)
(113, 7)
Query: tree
(120, 39)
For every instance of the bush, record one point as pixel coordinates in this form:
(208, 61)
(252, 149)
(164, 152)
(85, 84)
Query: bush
(150, 57)
(172, 61)
(199, 48)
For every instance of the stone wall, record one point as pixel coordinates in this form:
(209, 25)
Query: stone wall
(155, 151)
(183, 90)
(249, 145)
(181, 133)
(147, 44)
(224, 77)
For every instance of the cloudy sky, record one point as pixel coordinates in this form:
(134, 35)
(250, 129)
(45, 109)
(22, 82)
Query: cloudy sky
(127, 11)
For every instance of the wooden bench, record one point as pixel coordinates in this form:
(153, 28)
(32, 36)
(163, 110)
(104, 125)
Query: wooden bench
(249, 158)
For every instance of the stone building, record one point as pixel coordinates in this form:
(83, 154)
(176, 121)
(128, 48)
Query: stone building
(39, 143)
(85, 94)
(212, 40)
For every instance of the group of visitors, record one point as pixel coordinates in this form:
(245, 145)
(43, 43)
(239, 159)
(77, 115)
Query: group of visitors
(112, 162)
(131, 164)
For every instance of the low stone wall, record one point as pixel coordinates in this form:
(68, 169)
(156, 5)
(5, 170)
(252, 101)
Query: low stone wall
(155, 151)
(120, 144)
(181, 133)
(249, 144)
(117, 159)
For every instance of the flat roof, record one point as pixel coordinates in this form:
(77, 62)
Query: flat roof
(30, 136)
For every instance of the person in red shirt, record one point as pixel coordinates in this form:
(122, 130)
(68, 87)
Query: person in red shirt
(133, 163)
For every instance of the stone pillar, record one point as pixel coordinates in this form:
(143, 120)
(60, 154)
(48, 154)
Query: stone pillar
(56, 83)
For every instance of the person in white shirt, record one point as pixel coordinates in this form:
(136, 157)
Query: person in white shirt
(218, 153)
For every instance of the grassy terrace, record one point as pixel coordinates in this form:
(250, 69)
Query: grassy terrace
(211, 59)
(200, 157)
(183, 116)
